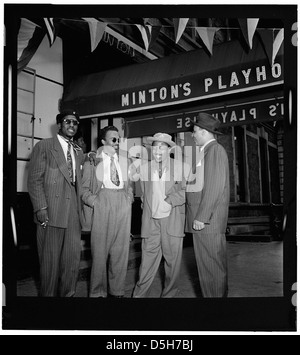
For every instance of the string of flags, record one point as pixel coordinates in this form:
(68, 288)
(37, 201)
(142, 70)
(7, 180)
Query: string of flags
(272, 39)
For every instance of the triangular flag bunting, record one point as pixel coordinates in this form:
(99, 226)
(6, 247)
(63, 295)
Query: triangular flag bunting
(97, 30)
(154, 34)
(30, 37)
(50, 29)
(180, 25)
(277, 44)
(248, 27)
(146, 34)
(272, 42)
(267, 38)
(207, 35)
(149, 34)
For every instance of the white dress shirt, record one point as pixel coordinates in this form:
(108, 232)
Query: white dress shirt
(107, 183)
(64, 145)
(160, 208)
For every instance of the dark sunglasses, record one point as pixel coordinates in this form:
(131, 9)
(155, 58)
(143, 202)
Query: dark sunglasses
(114, 140)
(68, 121)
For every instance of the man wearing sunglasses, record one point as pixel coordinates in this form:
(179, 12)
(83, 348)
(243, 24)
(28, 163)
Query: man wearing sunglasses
(54, 185)
(107, 190)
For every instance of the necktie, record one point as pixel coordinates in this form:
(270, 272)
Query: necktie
(75, 147)
(70, 163)
(160, 171)
(114, 176)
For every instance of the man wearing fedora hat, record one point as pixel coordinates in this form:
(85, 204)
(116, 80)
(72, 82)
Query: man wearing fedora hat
(54, 186)
(163, 186)
(207, 208)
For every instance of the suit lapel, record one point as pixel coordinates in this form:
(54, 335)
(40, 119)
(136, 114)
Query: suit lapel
(59, 156)
(149, 186)
(170, 177)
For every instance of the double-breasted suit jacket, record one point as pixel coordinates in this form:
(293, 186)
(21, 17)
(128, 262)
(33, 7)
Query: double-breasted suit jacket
(49, 182)
(210, 205)
(175, 186)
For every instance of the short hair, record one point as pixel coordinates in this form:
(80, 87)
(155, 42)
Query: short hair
(103, 131)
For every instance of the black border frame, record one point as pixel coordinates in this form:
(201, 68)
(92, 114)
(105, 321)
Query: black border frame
(232, 314)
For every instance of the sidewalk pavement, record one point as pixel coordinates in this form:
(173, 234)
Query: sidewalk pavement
(254, 269)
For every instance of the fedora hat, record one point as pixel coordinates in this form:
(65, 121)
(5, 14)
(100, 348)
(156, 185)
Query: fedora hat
(63, 114)
(162, 137)
(207, 122)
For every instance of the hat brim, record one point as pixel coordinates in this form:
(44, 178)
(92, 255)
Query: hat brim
(207, 129)
(170, 143)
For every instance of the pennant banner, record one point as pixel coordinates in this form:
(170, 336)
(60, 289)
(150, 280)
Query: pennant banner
(180, 25)
(272, 42)
(146, 34)
(149, 34)
(30, 37)
(97, 30)
(267, 38)
(248, 27)
(277, 44)
(207, 35)
(50, 30)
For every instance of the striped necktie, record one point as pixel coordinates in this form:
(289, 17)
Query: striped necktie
(70, 163)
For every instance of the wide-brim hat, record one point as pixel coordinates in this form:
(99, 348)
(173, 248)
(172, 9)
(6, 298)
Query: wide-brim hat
(162, 137)
(64, 113)
(207, 122)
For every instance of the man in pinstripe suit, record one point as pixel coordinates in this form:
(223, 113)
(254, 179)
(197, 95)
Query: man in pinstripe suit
(54, 185)
(207, 208)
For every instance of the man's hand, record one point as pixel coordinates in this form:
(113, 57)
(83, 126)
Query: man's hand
(42, 217)
(92, 158)
(198, 226)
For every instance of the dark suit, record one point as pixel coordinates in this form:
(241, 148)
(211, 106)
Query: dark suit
(210, 206)
(162, 237)
(59, 244)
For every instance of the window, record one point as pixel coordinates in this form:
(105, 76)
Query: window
(240, 164)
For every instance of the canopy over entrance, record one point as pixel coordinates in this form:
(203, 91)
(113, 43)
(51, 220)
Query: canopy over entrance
(174, 80)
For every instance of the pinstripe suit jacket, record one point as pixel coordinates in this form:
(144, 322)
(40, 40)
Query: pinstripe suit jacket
(211, 205)
(49, 182)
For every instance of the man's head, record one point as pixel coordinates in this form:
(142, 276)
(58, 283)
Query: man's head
(160, 151)
(201, 136)
(161, 146)
(205, 128)
(110, 138)
(78, 138)
(67, 122)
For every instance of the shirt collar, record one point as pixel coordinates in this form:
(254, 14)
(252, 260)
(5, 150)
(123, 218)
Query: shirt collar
(106, 156)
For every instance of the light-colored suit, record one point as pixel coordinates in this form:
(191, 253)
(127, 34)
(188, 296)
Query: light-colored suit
(59, 245)
(210, 206)
(162, 237)
(110, 231)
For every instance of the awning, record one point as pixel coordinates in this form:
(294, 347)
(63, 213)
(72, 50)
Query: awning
(174, 80)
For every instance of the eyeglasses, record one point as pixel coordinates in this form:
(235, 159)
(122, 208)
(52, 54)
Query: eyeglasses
(114, 140)
(68, 121)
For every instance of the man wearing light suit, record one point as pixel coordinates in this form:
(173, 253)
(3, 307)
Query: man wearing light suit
(108, 191)
(163, 182)
(207, 208)
(54, 186)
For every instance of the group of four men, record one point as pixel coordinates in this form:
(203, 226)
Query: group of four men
(63, 183)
